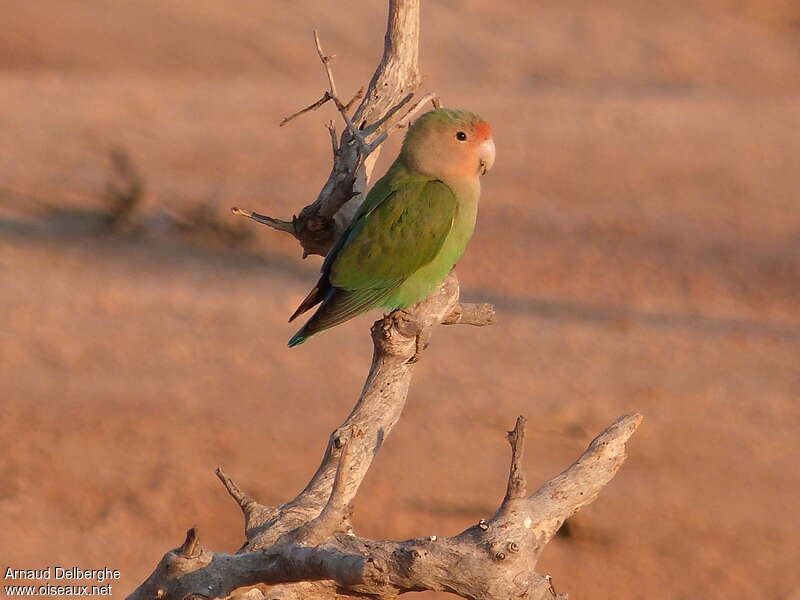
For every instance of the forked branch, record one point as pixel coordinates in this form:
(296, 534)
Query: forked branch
(492, 560)
(393, 85)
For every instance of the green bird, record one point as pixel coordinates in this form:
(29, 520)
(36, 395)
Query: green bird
(412, 227)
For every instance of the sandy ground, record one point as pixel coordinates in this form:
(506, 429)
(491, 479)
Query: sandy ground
(640, 237)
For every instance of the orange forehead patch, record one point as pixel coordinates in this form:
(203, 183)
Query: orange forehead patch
(484, 130)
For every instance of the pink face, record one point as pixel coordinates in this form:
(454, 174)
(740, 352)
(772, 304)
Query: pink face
(471, 148)
(450, 145)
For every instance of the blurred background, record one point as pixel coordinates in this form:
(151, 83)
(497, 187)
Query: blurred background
(639, 237)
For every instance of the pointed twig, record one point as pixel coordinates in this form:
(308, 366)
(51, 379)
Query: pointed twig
(189, 547)
(382, 123)
(517, 485)
(429, 97)
(336, 511)
(287, 226)
(234, 490)
(325, 97)
(386, 128)
(336, 505)
(326, 62)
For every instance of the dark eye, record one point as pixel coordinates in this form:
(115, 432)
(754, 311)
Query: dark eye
(461, 136)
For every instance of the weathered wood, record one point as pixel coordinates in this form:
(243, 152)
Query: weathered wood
(305, 548)
(381, 110)
(492, 560)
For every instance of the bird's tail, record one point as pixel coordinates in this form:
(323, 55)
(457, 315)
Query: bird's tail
(337, 307)
(299, 337)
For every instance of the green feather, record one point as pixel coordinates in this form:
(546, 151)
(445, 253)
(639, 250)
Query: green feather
(389, 241)
(402, 242)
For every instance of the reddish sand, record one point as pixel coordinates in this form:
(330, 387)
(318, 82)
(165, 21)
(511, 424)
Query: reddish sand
(639, 235)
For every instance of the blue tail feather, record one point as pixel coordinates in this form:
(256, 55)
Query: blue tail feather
(298, 338)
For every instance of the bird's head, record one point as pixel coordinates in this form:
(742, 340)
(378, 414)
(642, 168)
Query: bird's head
(447, 144)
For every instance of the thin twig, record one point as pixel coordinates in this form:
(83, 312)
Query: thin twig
(325, 97)
(381, 124)
(326, 62)
(358, 96)
(233, 489)
(429, 97)
(334, 138)
(278, 224)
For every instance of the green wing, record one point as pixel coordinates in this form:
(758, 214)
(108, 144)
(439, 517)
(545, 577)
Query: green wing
(391, 238)
(401, 226)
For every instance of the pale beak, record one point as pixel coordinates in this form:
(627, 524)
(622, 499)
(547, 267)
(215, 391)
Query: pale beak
(486, 154)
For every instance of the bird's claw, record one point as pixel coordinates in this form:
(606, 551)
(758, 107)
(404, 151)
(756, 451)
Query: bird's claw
(408, 326)
(422, 342)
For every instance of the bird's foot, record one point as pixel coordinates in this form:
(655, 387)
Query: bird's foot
(409, 326)
(423, 339)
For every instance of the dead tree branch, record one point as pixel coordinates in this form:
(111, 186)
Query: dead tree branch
(492, 560)
(305, 548)
(325, 97)
(470, 314)
(393, 84)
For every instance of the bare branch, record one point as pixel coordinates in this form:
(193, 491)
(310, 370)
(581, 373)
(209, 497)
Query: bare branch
(566, 494)
(491, 561)
(516, 478)
(255, 514)
(304, 548)
(286, 226)
(395, 80)
(383, 123)
(334, 517)
(189, 547)
(406, 119)
(242, 499)
(382, 400)
(337, 503)
(471, 314)
(325, 97)
(326, 62)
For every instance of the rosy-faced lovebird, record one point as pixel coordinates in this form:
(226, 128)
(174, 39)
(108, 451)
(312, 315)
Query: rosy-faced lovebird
(412, 227)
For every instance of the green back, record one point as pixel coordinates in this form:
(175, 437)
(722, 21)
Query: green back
(400, 227)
